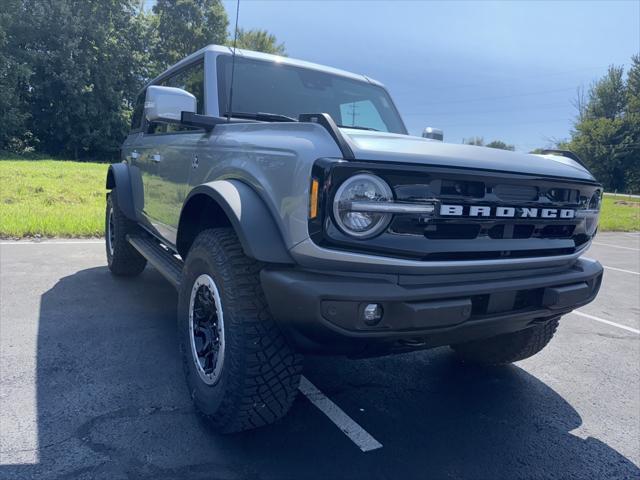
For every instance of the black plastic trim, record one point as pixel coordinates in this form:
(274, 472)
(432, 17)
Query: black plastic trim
(257, 230)
(118, 176)
(322, 312)
(207, 122)
(325, 121)
(162, 259)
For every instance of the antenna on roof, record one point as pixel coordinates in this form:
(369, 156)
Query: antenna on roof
(233, 62)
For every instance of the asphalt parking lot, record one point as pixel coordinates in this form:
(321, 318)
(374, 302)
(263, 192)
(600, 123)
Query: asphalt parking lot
(91, 386)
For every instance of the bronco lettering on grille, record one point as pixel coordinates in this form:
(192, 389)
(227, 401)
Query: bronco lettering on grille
(505, 212)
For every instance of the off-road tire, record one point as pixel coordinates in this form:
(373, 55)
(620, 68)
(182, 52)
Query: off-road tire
(260, 372)
(122, 258)
(510, 347)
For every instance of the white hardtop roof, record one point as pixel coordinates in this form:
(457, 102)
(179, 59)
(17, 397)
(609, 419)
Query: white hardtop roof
(224, 50)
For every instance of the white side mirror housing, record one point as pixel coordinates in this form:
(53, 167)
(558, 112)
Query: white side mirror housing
(167, 104)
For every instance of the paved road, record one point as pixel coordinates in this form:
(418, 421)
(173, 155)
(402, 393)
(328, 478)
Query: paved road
(91, 387)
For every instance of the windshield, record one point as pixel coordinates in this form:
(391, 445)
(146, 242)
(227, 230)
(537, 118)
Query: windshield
(272, 87)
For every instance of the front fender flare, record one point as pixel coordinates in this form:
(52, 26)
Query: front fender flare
(251, 219)
(119, 176)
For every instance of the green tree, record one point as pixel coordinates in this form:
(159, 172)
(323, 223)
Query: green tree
(478, 141)
(259, 41)
(499, 144)
(70, 69)
(82, 75)
(607, 98)
(14, 87)
(185, 26)
(606, 134)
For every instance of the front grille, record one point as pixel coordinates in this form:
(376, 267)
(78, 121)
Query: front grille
(516, 193)
(459, 230)
(441, 237)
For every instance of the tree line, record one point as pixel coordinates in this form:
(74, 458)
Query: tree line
(70, 69)
(606, 130)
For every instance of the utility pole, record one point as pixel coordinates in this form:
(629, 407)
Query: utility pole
(353, 113)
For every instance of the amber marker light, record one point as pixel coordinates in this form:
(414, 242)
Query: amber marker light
(313, 199)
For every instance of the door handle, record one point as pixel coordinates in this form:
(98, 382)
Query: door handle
(156, 157)
(134, 155)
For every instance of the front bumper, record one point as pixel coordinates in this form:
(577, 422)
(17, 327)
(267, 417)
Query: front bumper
(321, 312)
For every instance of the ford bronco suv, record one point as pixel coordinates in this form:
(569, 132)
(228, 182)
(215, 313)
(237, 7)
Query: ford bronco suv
(294, 214)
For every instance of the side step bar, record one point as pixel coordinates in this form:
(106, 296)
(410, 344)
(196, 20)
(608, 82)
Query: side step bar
(160, 257)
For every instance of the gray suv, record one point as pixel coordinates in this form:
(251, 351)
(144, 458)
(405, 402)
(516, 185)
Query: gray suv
(294, 214)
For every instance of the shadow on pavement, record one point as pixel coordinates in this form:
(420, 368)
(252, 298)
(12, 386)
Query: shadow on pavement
(112, 403)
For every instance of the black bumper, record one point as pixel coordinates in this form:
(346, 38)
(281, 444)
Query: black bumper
(323, 312)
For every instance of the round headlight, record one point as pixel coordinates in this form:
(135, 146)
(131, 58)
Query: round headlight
(359, 189)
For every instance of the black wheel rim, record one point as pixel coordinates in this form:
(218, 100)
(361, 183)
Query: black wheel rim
(206, 329)
(111, 234)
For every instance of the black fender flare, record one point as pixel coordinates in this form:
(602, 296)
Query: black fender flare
(118, 176)
(252, 221)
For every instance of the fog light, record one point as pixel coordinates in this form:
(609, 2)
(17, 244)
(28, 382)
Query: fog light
(372, 314)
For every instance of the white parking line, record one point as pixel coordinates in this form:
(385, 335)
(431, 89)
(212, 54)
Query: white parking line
(616, 246)
(602, 320)
(621, 270)
(51, 242)
(344, 422)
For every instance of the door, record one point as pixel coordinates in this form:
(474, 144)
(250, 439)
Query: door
(166, 153)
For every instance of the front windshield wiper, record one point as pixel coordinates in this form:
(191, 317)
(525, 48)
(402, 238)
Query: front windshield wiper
(264, 116)
(358, 127)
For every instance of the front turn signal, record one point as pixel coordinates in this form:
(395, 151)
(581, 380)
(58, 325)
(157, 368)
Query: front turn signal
(313, 199)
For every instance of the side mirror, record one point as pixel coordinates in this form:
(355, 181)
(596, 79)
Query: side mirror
(167, 104)
(433, 133)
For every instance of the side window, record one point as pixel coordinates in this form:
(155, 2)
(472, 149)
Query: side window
(136, 116)
(190, 79)
(361, 113)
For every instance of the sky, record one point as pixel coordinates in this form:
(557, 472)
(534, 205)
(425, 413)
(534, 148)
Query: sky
(503, 70)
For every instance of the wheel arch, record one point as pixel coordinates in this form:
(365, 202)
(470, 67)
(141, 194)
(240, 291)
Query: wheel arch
(232, 203)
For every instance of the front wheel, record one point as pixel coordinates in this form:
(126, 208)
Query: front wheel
(122, 258)
(510, 347)
(240, 371)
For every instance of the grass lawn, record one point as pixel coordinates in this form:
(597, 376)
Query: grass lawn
(620, 213)
(54, 198)
(51, 198)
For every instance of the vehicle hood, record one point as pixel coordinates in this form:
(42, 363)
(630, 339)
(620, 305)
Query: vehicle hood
(391, 147)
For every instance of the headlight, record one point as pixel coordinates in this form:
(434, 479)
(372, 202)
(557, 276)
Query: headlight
(348, 211)
(590, 212)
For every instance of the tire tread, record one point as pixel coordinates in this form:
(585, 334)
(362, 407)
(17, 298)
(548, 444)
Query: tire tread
(271, 370)
(126, 261)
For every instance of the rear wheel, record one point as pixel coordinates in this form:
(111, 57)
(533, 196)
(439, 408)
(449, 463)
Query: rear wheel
(510, 347)
(240, 371)
(122, 258)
